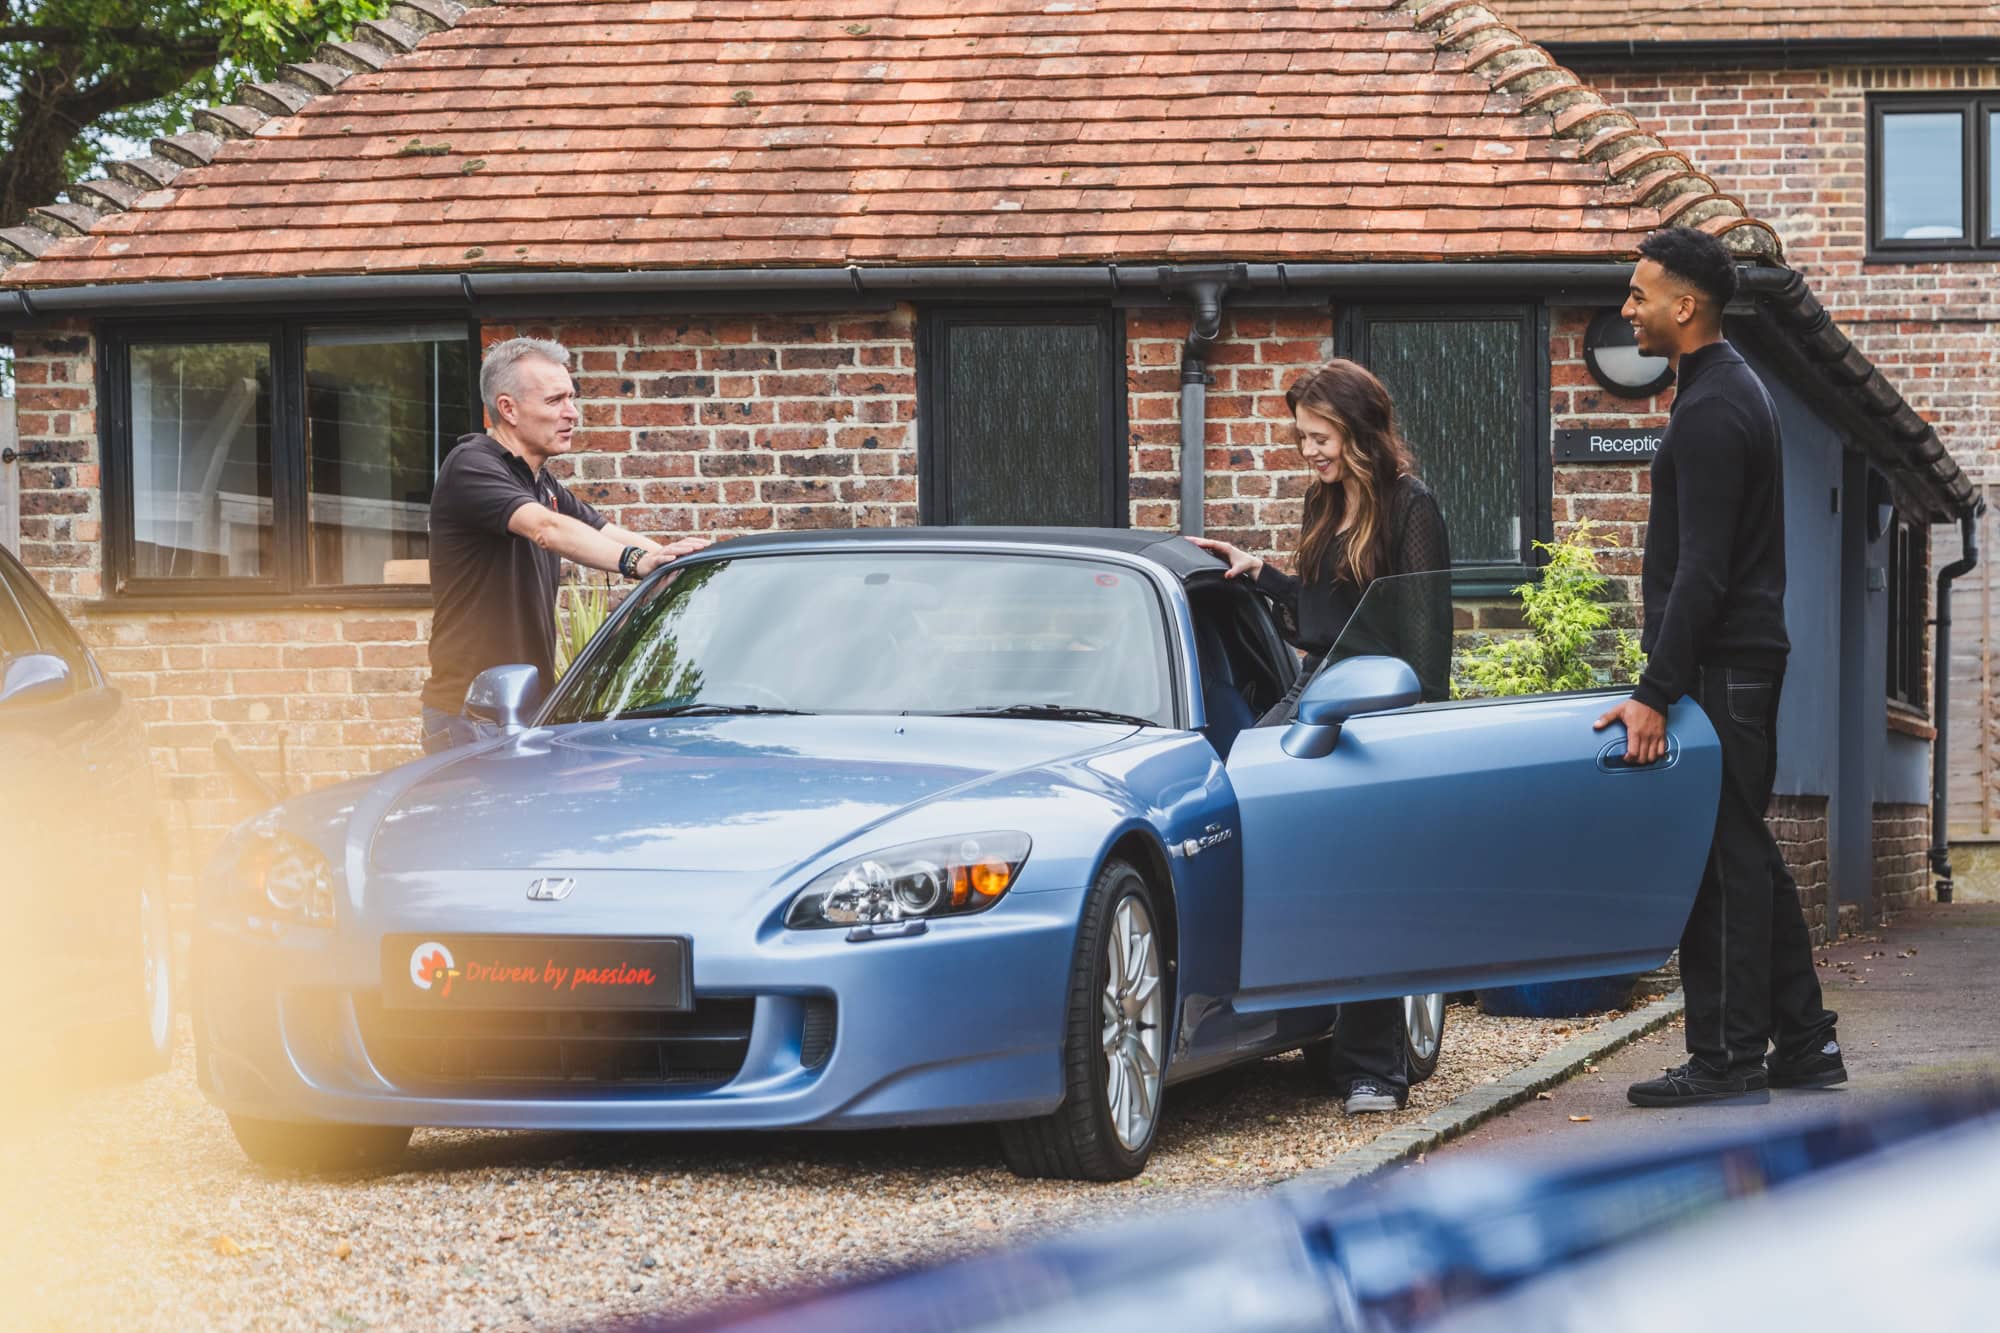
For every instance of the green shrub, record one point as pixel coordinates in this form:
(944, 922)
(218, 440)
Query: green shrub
(1566, 619)
(581, 610)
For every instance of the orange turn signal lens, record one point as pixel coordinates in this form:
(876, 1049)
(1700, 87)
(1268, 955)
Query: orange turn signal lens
(990, 878)
(961, 886)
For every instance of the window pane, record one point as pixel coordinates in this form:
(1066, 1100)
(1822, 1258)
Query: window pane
(383, 406)
(1457, 390)
(201, 460)
(1024, 423)
(1993, 175)
(1923, 168)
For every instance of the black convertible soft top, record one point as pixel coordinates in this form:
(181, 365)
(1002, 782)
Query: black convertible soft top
(1181, 558)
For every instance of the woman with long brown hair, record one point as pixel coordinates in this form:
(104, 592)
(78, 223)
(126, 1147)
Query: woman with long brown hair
(1367, 516)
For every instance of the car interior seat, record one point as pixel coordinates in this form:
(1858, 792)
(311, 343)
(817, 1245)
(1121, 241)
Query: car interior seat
(1228, 711)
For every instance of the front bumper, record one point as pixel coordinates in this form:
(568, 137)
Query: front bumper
(962, 1023)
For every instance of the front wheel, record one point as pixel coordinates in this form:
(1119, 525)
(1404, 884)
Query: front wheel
(1114, 1044)
(318, 1147)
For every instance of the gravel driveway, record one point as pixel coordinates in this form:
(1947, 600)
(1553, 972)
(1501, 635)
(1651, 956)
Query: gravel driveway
(132, 1207)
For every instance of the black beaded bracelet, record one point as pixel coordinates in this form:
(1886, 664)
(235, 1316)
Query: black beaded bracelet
(628, 562)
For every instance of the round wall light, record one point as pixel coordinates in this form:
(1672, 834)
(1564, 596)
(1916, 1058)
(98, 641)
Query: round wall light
(1611, 352)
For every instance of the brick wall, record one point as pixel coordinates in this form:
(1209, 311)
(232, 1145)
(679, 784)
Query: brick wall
(1792, 145)
(1799, 824)
(1254, 476)
(61, 511)
(738, 423)
(1902, 861)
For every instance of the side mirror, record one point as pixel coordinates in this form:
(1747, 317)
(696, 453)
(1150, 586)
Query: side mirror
(34, 678)
(1344, 690)
(505, 696)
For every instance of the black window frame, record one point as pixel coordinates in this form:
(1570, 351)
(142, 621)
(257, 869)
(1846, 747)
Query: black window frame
(1977, 110)
(1907, 621)
(1537, 508)
(934, 325)
(289, 582)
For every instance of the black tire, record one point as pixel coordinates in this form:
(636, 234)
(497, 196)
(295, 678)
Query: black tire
(1078, 1140)
(318, 1147)
(1420, 1057)
(142, 1043)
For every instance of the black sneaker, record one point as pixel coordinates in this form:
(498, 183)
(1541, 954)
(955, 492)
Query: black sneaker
(1695, 1085)
(1822, 1069)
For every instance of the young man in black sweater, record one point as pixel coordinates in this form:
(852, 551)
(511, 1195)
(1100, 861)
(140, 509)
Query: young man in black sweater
(1714, 588)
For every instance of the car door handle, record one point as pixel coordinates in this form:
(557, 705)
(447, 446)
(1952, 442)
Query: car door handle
(1611, 759)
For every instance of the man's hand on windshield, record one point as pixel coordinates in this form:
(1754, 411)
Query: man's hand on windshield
(1240, 561)
(1645, 731)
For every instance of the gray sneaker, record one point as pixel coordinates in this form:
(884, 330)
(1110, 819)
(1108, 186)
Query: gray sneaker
(1365, 1095)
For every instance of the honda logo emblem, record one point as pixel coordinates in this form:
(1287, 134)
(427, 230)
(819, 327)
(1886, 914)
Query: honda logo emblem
(550, 889)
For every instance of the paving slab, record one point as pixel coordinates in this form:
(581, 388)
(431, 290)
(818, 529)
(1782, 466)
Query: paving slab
(1919, 1006)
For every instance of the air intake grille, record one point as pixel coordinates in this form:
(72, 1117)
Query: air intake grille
(816, 1043)
(508, 1052)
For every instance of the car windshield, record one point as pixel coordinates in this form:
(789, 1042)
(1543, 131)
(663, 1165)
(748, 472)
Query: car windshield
(1406, 616)
(883, 632)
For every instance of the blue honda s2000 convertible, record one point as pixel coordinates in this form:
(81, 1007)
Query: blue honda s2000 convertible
(919, 826)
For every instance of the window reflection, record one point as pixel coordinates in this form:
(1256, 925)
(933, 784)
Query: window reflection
(1923, 176)
(382, 408)
(201, 460)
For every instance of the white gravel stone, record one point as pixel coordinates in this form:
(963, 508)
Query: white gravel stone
(132, 1206)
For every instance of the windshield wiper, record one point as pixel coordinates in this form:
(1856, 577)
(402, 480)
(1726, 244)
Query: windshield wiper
(1060, 712)
(699, 709)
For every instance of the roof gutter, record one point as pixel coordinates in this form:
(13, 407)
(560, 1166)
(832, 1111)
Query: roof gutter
(25, 304)
(1778, 52)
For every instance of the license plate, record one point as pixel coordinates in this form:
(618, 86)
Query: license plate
(446, 971)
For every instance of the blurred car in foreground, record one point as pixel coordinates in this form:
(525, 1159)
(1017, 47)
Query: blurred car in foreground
(89, 987)
(1878, 1223)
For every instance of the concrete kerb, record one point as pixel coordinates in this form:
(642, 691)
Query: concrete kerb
(1486, 1101)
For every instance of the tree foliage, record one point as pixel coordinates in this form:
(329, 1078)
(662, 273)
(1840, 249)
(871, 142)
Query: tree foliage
(77, 76)
(1566, 619)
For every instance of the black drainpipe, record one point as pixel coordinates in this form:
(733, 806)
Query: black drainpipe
(1206, 287)
(1968, 526)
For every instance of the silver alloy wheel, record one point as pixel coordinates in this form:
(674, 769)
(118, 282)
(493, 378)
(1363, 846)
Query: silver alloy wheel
(156, 943)
(1423, 1016)
(1132, 1031)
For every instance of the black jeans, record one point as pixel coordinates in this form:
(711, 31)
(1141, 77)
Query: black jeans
(1746, 959)
(1368, 1039)
(1369, 1042)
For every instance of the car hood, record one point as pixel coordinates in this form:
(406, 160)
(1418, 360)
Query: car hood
(721, 794)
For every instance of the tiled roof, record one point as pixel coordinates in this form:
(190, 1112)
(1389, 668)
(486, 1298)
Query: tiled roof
(1562, 21)
(714, 133)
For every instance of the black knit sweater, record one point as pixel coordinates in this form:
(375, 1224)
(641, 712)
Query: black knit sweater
(1714, 572)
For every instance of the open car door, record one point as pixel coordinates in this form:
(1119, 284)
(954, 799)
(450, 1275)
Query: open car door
(1446, 845)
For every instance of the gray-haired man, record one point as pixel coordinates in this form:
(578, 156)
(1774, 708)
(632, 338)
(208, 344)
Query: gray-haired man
(501, 527)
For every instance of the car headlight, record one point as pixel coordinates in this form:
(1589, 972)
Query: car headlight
(941, 877)
(287, 878)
